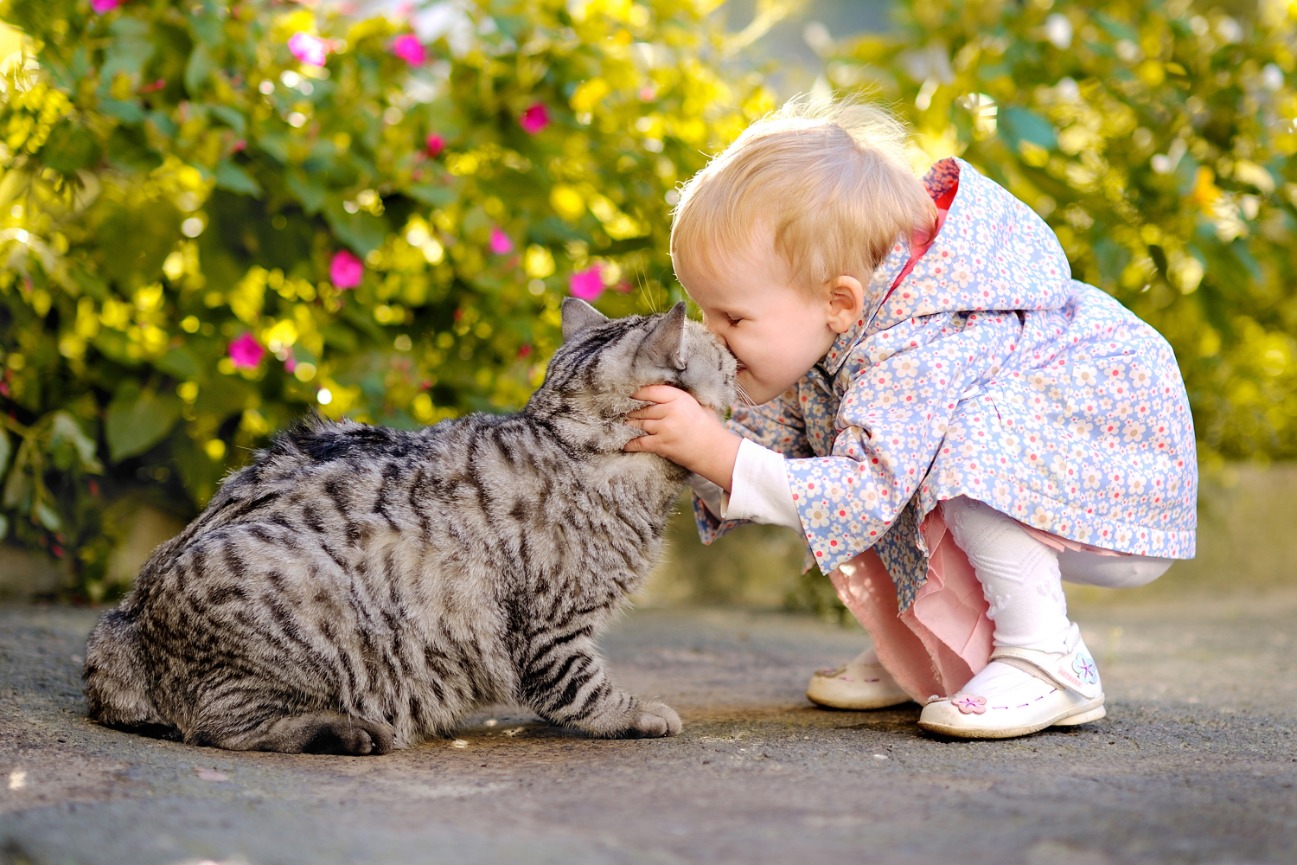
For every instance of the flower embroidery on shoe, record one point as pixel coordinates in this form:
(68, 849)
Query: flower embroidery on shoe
(969, 704)
(1083, 666)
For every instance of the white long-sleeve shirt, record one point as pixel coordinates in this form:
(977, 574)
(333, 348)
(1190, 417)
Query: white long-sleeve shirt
(761, 493)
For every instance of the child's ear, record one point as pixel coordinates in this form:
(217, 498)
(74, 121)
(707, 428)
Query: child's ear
(846, 302)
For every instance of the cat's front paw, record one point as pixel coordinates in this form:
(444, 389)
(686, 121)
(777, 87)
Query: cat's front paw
(353, 736)
(654, 721)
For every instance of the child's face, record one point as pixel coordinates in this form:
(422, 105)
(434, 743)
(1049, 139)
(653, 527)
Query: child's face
(775, 330)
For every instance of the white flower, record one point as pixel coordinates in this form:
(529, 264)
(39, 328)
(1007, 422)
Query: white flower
(905, 367)
(1085, 376)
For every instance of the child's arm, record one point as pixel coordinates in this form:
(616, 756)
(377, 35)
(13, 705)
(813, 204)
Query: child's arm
(761, 491)
(676, 427)
(681, 430)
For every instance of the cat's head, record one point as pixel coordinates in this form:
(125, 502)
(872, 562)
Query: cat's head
(604, 360)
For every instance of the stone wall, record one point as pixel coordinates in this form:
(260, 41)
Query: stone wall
(1247, 539)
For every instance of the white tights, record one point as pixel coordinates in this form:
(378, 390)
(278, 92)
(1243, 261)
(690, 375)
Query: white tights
(1022, 577)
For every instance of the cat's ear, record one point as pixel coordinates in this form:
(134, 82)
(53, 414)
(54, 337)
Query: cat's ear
(578, 315)
(666, 344)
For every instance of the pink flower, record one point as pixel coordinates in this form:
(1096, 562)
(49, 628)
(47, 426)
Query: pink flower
(345, 270)
(500, 242)
(102, 6)
(534, 119)
(246, 352)
(308, 49)
(587, 284)
(408, 47)
(434, 144)
(290, 363)
(969, 704)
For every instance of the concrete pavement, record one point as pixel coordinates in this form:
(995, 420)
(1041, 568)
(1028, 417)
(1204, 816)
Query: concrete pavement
(1196, 763)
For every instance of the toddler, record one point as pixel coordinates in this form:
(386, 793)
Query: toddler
(951, 421)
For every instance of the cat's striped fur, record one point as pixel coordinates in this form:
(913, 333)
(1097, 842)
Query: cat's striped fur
(356, 588)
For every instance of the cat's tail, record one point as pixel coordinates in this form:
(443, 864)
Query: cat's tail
(116, 678)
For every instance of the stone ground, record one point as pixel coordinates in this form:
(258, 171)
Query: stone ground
(1196, 763)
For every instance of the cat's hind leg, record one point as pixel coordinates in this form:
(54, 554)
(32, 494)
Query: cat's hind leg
(572, 687)
(118, 678)
(319, 732)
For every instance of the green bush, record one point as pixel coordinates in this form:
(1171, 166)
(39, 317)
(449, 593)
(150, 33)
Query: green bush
(217, 216)
(206, 234)
(1159, 139)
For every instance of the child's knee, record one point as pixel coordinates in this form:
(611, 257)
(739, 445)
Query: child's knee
(1110, 572)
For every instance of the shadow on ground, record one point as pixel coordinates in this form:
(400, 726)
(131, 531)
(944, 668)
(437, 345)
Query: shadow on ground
(1195, 764)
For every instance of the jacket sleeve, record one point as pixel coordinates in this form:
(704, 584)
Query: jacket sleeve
(777, 425)
(904, 386)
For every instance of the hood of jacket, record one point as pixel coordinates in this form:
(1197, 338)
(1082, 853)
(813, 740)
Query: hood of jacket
(992, 252)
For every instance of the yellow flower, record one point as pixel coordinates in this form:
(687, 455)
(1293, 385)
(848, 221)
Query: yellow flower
(1205, 192)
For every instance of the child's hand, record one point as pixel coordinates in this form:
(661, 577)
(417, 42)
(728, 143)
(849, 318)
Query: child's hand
(676, 427)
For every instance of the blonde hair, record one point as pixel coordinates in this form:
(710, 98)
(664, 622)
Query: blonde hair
(830, 180)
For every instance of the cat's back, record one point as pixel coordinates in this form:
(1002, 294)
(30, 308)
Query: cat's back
(298, 518)
(318, 465)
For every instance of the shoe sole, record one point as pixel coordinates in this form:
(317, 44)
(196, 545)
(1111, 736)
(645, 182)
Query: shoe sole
(859, 705)
(1078, 715)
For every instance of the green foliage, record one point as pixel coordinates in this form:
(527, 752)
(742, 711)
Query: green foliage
(1159, 139)
(205, 235)
(207, 232)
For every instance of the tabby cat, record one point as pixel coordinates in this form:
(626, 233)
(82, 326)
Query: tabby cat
(356, 588)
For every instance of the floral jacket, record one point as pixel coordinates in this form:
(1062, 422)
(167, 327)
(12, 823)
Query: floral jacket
(987, 371)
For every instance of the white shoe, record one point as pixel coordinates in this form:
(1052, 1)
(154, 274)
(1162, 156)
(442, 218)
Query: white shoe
(862, 683)
(1020, 692)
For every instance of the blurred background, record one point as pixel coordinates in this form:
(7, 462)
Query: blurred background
(216, 216)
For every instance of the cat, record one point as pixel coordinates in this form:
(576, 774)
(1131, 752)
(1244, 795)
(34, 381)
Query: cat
(357, 589)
